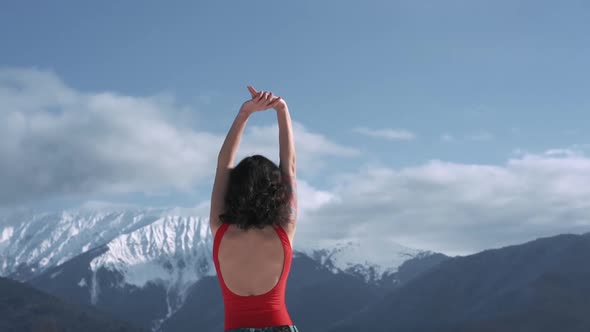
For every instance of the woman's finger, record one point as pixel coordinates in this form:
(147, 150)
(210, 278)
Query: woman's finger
(253, 91)
(275, 102)
(260, 96)
(272, 99)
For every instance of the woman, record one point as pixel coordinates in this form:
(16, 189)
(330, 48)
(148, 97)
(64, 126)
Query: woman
(253, 214)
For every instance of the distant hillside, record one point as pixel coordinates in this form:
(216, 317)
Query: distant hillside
(25, 309)
(540, 286)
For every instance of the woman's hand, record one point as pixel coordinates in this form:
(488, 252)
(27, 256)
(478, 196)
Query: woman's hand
(261, 100)
(279, 103)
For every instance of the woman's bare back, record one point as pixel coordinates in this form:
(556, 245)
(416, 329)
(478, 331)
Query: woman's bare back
(251, 262)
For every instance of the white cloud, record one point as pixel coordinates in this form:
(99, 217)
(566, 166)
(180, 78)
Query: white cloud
(477, 136)
(55, 141)
(200, 210)
(458, 208)
(309, 199)
(309, 146)
(563, 152)
(387, 133)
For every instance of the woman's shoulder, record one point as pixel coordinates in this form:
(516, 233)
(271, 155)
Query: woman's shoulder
(289, 229)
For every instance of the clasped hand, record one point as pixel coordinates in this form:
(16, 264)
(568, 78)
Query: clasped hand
(262, 100)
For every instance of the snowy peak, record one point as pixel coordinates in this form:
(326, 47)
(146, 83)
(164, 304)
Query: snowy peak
(172, 249)
(31, 243)
(172, 252)
(372, 258)
(152, 244)
(122, 251)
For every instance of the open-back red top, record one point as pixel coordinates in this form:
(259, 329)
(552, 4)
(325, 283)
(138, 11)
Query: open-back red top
(258, 311)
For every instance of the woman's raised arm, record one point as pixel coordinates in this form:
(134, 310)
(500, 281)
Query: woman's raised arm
(225, 159)
(288, 163)
(286, 140)
(287, 149)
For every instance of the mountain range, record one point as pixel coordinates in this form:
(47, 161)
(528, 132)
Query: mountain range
(542, 286)
(152, 268)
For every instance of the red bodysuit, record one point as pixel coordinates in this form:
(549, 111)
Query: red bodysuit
(265, 310)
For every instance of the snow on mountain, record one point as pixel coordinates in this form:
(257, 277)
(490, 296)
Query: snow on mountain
(32, 242)
(169, 248)
(173, 251)
(370, 258)
(151, 244)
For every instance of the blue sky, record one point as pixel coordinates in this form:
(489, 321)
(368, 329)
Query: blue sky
(389, 84)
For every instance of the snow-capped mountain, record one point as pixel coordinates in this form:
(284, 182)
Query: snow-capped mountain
(30, 243)
(107, 257)
(173, 248)
(372, 259)
(149, 244)
(173, 252)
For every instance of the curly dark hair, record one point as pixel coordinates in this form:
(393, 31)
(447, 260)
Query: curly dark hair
(256, 195)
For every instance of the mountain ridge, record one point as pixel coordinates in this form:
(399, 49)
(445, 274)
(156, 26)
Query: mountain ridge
(105, 257)
(23, 308)
(533, 286)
